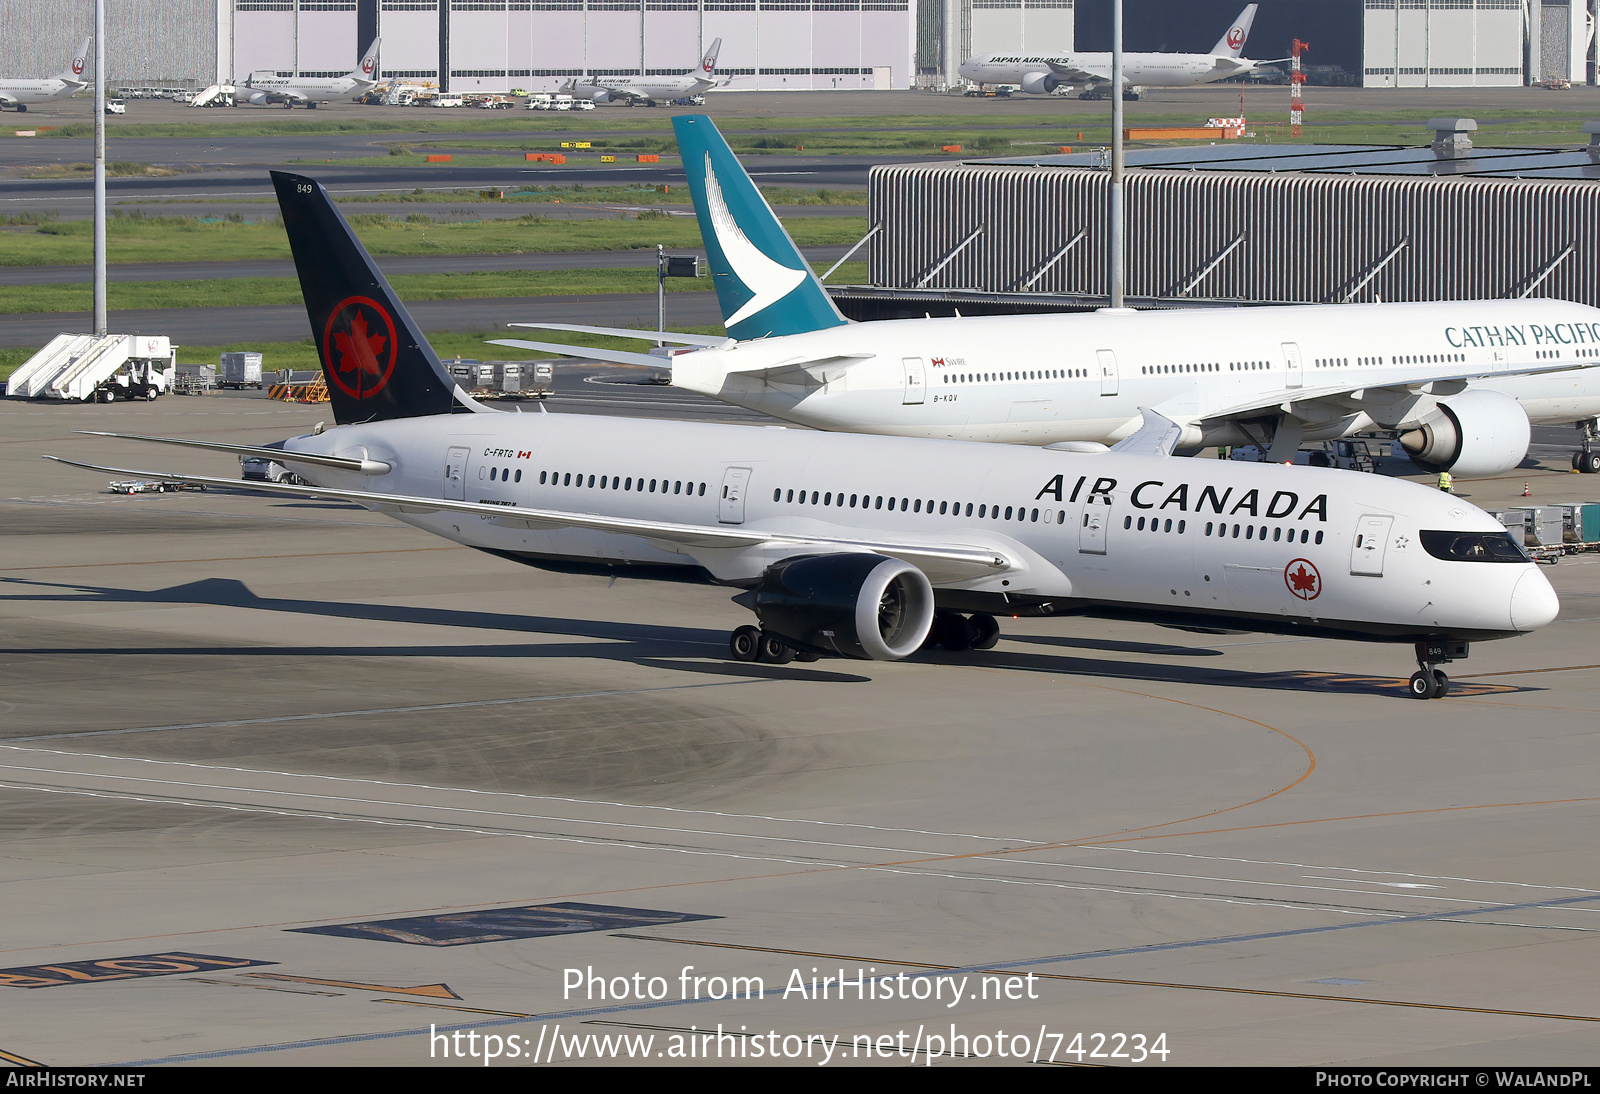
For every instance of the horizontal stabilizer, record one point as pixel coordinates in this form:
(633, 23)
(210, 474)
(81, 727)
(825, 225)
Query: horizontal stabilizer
(800, 364)
(720, 341)
(621, 357)
(344, 463)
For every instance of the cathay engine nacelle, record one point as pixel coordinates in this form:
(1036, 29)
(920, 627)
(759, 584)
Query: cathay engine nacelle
(1472, 435)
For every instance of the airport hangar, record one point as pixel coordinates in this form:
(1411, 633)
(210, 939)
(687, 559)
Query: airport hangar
(1229, 224)
(779, 45)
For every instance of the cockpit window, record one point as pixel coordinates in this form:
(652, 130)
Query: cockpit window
(1473, 546)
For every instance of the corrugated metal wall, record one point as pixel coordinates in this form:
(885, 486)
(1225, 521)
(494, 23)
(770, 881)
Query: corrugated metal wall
(1305, 238)
(150, 41)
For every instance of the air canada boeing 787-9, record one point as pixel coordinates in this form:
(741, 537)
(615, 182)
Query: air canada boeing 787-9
(870, 547)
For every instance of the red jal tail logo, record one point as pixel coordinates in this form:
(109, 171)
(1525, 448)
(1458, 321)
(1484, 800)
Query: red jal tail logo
(366, 66)
(1235, 37)
(705, 65)
(1302, 579)
(77, 66)
(360, 334)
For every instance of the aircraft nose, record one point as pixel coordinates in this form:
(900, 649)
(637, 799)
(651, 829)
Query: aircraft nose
(1533, 602)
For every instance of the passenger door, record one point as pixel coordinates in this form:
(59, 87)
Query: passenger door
(1372, 537)
(1108, 371)
(1292, 374)
(916, 383)
(1096, 519)
(730, 507)
(455, 474)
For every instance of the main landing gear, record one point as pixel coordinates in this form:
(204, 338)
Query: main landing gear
(1586, 459)
(956, 632)
(1429, 682)
(754, 644)
(950, 630)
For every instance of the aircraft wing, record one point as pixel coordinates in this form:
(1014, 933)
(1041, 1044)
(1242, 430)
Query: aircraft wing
(945, 562)
(1350, 396)
(1157, 436)
(1077, 74)
(621, 357)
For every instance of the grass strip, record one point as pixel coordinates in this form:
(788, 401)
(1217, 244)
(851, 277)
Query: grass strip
(194, 239)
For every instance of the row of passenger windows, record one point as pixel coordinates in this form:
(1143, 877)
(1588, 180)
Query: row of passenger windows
(1163, 370)
(1220, 531)
(617, 482)
(1036, 374)
(983, 511)
(1156, 524)
(1252, 531)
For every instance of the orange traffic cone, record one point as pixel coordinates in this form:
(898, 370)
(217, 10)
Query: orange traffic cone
(1527, 491)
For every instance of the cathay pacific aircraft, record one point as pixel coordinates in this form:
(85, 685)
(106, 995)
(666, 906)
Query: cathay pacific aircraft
(1457, 382)
(1044, 73)
(871, 547)
(19, 93)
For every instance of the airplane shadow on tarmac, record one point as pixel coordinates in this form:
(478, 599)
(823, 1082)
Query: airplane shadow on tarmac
(641, 643)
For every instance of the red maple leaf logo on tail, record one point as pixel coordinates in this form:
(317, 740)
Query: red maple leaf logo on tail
(358, 351)
(362, 335)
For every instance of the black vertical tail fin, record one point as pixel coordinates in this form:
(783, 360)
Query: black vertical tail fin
(376, 361)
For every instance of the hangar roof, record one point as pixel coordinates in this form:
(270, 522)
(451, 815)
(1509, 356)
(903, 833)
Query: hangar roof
(1338, 159)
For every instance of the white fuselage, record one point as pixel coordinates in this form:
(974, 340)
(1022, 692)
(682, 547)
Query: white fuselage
(38, 91)
(1144, 535)
(1138, 69)
(1043, 379)
(302, 90)
(619, 88)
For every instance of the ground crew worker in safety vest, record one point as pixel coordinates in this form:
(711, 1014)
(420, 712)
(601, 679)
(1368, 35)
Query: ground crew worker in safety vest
(1444, 481)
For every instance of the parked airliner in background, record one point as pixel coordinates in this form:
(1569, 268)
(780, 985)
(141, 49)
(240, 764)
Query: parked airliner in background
(308, 91)
(1042, 74)
(1458, 383)
(869, 547)
(19, 93)
(649, 89)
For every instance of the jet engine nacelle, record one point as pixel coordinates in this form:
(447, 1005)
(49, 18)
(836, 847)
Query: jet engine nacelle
(254, 98)
(1472, 435)
(855, 605)
(1040, 83)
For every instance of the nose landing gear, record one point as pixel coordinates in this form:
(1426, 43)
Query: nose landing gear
(1429, 682)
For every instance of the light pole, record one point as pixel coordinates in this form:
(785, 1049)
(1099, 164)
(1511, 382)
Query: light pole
(1118, 274)
(100, 168)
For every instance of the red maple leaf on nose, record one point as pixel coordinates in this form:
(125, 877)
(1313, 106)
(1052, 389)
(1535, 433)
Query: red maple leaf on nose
(358, 351)
(1302, 581)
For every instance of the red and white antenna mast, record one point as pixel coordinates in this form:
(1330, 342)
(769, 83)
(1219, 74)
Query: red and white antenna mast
(1297, 79)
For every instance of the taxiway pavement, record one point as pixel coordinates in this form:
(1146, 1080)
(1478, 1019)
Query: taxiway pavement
(240, 738)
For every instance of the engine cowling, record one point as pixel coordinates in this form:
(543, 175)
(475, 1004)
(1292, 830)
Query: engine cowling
(254, 98)
(854, 605)
(1040, 83)
(1471, 435)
